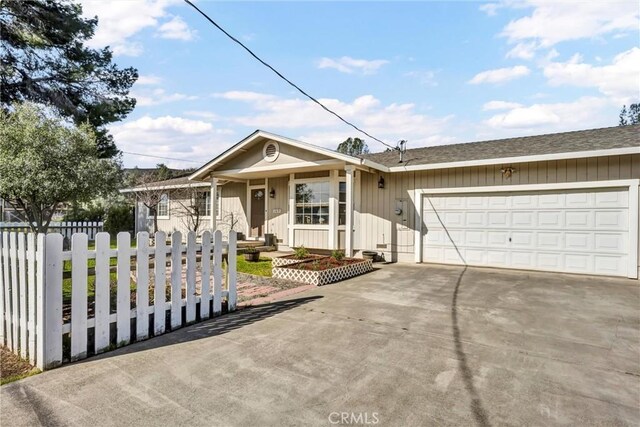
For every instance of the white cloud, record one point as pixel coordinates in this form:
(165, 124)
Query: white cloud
(500, 75)
(149, 80)
(119, 23)
(159, 96)
(552, 22)
(239, 95)
(176, 29)
(619, 80)
(349, 65)
(425, 77)
(170, 136)
(500, 105)
(524, 51)
(390, 122)
(585, 112)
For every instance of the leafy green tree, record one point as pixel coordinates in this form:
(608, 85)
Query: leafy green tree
(353, 147)
(45, 161)
(630, 116)
(43, 59)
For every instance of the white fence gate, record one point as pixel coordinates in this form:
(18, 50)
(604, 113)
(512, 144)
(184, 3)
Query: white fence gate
(64, 305)
(66, 228)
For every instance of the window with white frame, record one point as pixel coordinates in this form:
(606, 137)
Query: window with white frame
(312, 203)
(204, 202)
(162, 208)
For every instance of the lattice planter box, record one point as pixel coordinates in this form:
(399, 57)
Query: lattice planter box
(289, 259)
(322, 277)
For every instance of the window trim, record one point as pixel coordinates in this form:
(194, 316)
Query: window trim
(167, 216)
(208, 203)
(297, 182)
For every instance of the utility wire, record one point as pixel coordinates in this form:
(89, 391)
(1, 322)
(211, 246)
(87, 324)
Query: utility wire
(160, 157)
(286, 79)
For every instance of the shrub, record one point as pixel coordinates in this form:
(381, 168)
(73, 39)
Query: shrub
(337, 255)
(301, 252)
(119, 218)
(251, 250)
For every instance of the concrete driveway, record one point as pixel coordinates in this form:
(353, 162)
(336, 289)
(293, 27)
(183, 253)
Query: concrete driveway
(404, 345)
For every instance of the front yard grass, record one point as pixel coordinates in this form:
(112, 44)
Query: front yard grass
(259, 268)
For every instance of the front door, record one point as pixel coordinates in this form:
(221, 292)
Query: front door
(257, 212)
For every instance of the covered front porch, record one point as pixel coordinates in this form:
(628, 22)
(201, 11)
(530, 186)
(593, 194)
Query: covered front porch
(302, 194)
(314, 209)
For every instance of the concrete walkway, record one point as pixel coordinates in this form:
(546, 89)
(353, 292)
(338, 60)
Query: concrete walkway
(404, 345)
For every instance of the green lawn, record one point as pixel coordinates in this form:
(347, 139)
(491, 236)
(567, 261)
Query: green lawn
(260, 268)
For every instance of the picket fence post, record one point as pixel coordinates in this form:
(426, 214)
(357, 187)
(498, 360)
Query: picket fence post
(176, 280)
(217, 272)
(123, 293)
(142, 286)
(4, 289)
(205, 275)
(232, 270)
(52, 302)
(79, 243)
(160, 283)
(191, 278)
(102, 293)
(40, 301)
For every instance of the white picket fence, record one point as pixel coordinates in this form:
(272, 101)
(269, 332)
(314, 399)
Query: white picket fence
(66, 228)
(43, 326)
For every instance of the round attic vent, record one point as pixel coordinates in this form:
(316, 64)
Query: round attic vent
(270, 151)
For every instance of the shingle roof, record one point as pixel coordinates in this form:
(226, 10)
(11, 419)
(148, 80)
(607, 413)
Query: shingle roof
(179, 182)
(566, 142)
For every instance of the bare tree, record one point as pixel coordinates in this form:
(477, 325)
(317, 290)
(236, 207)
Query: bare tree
(192, 206)
(148, 192)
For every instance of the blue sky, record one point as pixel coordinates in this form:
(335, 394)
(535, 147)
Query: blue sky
(429, 72)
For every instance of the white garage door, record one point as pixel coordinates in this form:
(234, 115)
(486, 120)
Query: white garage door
(582, 231)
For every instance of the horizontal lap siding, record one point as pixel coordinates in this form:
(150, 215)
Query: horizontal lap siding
(380, 224)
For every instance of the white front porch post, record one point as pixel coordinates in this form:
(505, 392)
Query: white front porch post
(214, 203)
(348, 241)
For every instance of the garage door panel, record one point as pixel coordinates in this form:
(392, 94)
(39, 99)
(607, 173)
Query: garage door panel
(579, 200)
(578, 231)
(523, 240)
(612, 220)
(609, 264)
(577, 242)
(523, 219)
(475, 219)
(550, 219)
(552, 200)
(498, 258)
(611, 242)
(618, 199)
(549, 240)
(521, 259)
(549, 261)
(499, 219)
(497, 238)
(579, 219)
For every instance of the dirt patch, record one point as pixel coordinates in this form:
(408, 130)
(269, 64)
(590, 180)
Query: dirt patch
(12, 367)
(323, 264)
(251, 287)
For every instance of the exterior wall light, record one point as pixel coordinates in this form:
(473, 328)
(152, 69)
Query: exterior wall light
(272, 193)
(508, 171)
(381, 182)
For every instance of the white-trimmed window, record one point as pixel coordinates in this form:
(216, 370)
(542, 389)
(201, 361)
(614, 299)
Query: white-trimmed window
(312, 203)
(204, 202)
(162, 208)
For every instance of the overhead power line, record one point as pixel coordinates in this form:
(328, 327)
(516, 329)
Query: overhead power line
(160, 157)
(286, 79)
